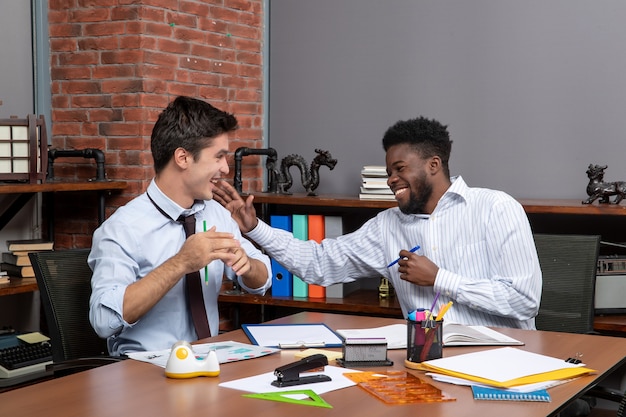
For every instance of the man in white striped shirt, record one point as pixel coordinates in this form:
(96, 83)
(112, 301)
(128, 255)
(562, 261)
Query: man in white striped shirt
(476, 245)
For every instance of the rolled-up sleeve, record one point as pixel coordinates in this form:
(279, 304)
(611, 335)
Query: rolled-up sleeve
(113, 271)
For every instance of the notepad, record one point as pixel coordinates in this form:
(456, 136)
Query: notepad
(499, 394)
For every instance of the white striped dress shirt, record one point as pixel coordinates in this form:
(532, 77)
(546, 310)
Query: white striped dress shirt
(479, 238)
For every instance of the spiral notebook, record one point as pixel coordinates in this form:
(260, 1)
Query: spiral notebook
(498, 394)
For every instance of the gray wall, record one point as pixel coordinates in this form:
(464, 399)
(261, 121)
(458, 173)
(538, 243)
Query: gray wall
(532, 91)
(16, 65)
(21, 311)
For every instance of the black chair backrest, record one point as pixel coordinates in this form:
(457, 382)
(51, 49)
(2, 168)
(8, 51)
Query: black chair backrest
(64, 280)
(569, 264)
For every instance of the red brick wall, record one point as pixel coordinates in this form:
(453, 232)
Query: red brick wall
(115, 64)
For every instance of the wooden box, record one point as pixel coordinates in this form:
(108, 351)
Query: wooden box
(23, 149)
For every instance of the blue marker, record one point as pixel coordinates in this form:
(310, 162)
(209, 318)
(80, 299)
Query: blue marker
(398, 260)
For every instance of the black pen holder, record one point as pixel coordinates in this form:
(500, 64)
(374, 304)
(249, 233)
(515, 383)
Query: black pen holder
(424, 341)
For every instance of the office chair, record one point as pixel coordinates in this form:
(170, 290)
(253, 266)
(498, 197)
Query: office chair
(569, 265)
(64, 281)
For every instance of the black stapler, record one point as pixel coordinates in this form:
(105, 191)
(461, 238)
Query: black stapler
(289, 375)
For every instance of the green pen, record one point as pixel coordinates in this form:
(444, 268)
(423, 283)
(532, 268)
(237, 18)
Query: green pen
(206, 268)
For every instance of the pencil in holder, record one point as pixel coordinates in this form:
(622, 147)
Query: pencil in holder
(424, 341)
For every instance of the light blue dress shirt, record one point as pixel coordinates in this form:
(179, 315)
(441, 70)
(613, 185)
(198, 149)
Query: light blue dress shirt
(135, 240)
(480, 239)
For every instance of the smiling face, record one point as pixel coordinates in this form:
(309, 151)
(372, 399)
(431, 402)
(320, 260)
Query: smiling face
(411, 179)
(201, 175)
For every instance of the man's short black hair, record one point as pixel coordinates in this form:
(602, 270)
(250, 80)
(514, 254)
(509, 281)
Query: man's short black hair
(190, 124)
(427, 136)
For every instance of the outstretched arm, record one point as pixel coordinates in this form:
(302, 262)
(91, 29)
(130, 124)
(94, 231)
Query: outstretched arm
(242, 211)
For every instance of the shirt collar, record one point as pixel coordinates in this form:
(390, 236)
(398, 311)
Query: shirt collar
(456, 192)
(458, 187)
(171, 208)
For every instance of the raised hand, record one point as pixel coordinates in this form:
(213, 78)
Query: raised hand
(242, 211)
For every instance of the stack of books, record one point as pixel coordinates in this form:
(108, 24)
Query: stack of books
(16, 262)
(374, 183)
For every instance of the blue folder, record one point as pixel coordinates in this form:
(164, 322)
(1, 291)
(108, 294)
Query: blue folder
(282, 280)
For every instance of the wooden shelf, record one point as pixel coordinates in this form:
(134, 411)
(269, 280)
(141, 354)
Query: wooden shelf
(323, 200)
(571, 207)
(361, 301)
(25, 192)
(610, 324)
(367, 302)
(531, 206)
(47, 187)
(17, 286)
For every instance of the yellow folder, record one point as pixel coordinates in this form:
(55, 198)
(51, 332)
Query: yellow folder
(505, 367)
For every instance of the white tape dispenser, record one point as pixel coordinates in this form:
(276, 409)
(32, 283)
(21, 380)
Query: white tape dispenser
(183, 362)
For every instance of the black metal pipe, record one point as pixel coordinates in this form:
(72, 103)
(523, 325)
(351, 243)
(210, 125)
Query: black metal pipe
(95, 154)
(270, 164)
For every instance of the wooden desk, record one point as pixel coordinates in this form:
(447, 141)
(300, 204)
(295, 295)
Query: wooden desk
(26, 191)
(131, 387)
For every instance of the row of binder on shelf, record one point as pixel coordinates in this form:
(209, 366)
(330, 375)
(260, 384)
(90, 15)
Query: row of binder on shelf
(307, 227)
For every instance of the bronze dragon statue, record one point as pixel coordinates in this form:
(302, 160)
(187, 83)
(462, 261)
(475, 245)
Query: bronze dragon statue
(310, 177)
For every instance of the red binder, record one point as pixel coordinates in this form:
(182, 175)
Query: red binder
(316, 233)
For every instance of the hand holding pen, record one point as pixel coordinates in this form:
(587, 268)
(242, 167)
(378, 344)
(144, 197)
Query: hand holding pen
(398, 260)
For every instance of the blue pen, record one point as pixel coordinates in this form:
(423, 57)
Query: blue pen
(398, 260)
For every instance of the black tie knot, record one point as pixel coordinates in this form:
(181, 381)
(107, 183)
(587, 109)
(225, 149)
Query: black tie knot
(189, 224)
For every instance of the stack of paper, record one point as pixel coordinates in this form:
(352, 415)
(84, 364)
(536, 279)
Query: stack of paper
(374, 183)
(395, 334)
(505, 367)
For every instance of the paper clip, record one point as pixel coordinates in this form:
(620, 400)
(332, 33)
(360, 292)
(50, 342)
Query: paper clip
(576, 359)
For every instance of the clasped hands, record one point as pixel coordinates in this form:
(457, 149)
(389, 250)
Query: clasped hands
(202, 248)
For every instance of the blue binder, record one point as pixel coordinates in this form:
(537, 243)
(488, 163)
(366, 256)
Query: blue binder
(282, 280)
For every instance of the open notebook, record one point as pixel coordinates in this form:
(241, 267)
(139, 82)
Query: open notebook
(453, 335)
(460, 335)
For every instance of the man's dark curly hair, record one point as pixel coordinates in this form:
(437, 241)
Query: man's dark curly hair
(428, 137)
(190, 124)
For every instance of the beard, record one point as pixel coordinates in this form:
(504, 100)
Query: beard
(417, 201)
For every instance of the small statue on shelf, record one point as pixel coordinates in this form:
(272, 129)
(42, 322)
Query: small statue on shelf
(597, 188)
(310, 177)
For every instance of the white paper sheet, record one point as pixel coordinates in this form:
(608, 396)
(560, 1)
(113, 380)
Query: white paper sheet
(263, 383)
(226, 352)
(502, 364)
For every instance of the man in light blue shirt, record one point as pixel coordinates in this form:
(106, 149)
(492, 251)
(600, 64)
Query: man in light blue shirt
(476, 245)
(140, 255)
